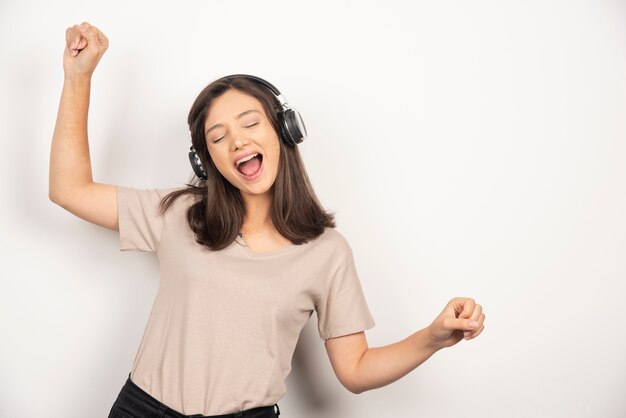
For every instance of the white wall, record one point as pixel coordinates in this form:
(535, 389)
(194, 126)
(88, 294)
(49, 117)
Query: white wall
(469, 149)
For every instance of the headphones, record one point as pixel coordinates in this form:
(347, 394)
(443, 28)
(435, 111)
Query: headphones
(292, 129)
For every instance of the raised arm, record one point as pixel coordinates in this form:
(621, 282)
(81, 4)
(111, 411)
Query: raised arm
(71, 185)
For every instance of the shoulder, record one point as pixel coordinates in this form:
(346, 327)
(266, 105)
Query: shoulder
(175, 200)
(165, 191)
(336, 242)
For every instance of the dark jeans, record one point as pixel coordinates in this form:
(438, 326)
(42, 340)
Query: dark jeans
(133, 402)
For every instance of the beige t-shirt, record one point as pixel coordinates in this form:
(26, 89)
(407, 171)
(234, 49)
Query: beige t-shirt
(224, 324)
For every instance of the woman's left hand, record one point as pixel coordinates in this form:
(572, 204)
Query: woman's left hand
(461, 318)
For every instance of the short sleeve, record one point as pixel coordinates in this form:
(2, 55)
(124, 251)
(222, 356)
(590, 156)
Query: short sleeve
(343, 309)
(140, 225)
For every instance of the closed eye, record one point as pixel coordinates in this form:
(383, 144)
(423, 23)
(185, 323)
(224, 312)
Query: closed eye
(249, 126)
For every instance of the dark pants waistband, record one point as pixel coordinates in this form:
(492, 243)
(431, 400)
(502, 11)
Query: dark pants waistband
(138, 397)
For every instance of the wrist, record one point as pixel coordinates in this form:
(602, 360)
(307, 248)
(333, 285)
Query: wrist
(431, 340)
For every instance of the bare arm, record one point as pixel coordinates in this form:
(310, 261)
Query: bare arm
(360, 368)
(71, 185)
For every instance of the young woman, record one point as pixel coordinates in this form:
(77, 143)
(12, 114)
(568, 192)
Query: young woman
(246, 254)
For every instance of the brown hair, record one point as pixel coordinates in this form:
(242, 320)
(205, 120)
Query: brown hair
(217, 215)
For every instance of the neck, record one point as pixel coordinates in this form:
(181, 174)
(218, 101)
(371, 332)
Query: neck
(257, 217)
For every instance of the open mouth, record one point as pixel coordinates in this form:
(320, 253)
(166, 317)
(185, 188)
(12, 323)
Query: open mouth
(251, 168)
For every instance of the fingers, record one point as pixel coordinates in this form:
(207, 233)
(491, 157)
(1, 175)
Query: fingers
(468, 317)
(103, 41)
(81, 44)
(77, 37)
(478, 310)
(452, 324)
(96, 38)
(475, 316)
(468, 307)
(73, 38)
(478, 330)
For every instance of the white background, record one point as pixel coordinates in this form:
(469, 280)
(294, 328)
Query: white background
(468, 148)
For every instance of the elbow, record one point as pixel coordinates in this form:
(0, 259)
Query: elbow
(54, 198)
(58, 200)
(354, 388)
(53, 192)
(58, 195)
(357, 391)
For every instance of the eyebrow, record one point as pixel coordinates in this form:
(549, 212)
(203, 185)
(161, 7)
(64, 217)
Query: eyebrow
(217, 125)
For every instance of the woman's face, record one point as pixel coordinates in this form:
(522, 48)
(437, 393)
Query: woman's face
(236, 126)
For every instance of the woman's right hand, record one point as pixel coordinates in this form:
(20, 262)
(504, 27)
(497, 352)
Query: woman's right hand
(85, 45)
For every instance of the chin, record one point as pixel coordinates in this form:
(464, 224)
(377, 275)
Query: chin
(257, 189)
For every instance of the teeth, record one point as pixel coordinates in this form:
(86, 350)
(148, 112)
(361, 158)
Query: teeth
(243, 160)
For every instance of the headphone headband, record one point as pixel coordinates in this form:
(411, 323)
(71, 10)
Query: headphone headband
(257, 79)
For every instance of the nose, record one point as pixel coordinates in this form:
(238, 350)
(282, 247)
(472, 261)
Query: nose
(238, 138)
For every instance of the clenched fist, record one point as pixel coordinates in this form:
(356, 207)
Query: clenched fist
(461, 318)
(85, 45)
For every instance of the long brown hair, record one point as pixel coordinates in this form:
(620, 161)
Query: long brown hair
(217, 215)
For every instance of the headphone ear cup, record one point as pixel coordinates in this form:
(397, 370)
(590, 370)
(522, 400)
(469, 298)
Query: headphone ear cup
(196, 164)
(284, 134)
(293, 126)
